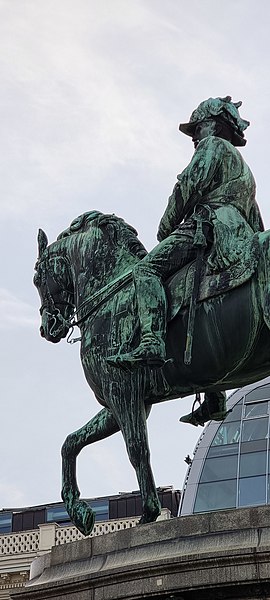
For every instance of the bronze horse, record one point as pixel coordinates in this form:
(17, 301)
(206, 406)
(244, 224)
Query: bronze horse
(85, 276)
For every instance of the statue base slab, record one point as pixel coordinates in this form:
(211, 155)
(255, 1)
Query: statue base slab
(222, 554)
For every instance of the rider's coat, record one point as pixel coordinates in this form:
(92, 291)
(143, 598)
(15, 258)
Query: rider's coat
(219, 185)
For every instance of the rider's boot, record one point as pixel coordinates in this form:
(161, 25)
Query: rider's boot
(213, 408)
(152, 306)
(150, 353)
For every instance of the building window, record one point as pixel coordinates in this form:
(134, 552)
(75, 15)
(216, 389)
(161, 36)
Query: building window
(254, 429)
(5, 522)
(258, 394)
(256, 410)
(252, 463)
(252, 491)
(101, 508)
(228, 433)
(215, 496)
(216, 469)
(58, 514)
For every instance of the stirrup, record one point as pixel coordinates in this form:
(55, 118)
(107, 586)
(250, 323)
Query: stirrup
(195, 417)
(145, 355)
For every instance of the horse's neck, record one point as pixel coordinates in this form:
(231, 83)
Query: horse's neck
(96, 262)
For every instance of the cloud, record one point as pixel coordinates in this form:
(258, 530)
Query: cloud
(87, 92)
(11, 495)
(15, 312)
(72, 109)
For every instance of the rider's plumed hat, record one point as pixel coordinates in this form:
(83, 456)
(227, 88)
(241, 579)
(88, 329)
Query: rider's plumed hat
(218, 108)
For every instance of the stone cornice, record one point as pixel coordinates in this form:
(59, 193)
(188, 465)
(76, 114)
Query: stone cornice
(202, 556)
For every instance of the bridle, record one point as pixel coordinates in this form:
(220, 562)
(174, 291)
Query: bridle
(77, 318)
(49, 304)
(55, 314)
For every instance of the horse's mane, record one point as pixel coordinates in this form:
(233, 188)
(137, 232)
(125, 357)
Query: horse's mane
(99, 219)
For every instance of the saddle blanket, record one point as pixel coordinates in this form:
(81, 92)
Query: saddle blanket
(179, 287)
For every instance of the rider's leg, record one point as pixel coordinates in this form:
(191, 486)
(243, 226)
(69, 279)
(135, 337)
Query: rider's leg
(149, 277)
(212, 408)
(152, 310)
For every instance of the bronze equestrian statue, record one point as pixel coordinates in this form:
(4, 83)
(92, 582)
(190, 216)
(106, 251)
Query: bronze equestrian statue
(152, 332)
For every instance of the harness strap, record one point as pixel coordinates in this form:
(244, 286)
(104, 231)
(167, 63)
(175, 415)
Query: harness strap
(100, 297)
(200, 244)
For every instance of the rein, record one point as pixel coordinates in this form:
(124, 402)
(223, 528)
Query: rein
(100, 297)
(96, 301)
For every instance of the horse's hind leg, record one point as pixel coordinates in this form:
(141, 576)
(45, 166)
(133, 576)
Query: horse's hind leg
(101, 426)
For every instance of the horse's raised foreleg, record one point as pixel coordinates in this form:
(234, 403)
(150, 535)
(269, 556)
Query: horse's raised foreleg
(101, 426)
(131, 415)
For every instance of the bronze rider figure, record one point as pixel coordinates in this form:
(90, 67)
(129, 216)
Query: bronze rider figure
(218, 186)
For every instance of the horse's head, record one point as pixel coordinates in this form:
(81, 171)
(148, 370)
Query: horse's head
(92, 252)
(53, 282)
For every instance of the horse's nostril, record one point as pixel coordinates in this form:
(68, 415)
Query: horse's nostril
(42, 331)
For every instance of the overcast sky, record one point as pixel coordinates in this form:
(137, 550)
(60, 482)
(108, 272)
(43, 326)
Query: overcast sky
(92, 93)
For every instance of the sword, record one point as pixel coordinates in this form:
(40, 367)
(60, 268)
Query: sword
(200, 243)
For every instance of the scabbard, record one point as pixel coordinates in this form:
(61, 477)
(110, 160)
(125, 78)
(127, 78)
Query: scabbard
(192, 306)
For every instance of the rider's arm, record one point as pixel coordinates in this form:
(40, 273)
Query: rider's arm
(173, 214)
(192, 183)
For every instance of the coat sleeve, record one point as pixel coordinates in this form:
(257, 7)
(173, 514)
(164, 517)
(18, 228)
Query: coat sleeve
(255, 218)
(192, 184)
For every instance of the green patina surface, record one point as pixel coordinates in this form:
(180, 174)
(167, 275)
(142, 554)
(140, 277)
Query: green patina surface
(205, 283)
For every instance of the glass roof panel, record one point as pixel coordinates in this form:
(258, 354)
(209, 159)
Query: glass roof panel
(223, 450)
(214, 496)
(256, 410)
(256, 446)
(228, 433)
(259, 393)
(236, 412)
(252, 491)
(253, 463)
(254, 429)
(220, 468)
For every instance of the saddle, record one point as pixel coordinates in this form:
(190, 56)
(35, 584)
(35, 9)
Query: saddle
(179, 287)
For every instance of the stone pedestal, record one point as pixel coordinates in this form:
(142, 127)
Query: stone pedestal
(221, 555)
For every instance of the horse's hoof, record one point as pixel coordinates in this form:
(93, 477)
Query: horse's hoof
(151, 513)
(83, 517)
(147, 518)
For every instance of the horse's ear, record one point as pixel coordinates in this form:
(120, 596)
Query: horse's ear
(42, 242)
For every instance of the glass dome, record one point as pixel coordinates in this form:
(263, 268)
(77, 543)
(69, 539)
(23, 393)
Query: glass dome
(231, 463)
